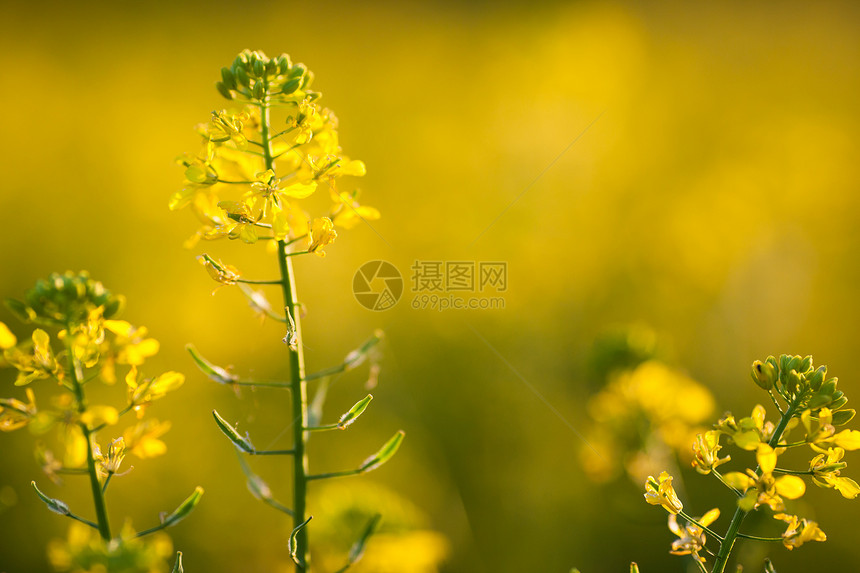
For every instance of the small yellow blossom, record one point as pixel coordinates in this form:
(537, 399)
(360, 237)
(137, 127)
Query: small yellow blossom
(321, 234)
(84, 551)
(224, 274)
(747, 433)
(142, 438)
(819, 427)
(16, 414)
(825, 470)
(226, 127)
(99, 415)
(705, 452)
(109, 462)
(662, 493)
(347, 212)
(39, 365)
(799, 531)
(691, 538)
(765, 488)
(142, 392)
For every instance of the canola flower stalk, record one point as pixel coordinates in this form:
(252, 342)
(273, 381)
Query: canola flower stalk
(81, 340)
(807, 401)
(259, 161)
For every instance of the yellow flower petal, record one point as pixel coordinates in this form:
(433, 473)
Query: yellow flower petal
(739, 481)
(7, 339)
(100, 414)
(848, 439)
(766, 458)
(710, 517)
(299, 190)
(847, 487)
(791, 487)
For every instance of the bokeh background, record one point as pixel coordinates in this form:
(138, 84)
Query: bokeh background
(713, 199)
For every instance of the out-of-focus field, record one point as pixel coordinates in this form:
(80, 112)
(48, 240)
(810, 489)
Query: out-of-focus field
(712, 193)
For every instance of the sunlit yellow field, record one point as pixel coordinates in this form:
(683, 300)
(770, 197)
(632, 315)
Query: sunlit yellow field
(662, 184)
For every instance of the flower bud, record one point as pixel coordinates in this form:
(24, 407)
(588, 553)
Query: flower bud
(222, 89)
(764, 374)
(259, 68)
(291, 86)
(842, 417)
(259, 90)
(227, 78)
(817, 379)
(242, 78)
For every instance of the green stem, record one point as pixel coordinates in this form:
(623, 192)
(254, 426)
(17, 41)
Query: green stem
(89, 435)
(273, 452)
(330, 475)
(297, 374)
(733, 531)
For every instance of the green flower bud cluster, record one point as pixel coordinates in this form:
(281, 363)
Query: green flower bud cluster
(795, 377)
(254, 75)
(65, 299)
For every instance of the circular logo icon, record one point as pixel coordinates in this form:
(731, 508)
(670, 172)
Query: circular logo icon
(377, 285)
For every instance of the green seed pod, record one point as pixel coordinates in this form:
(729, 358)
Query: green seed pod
(838, 402)
(842, 417)
(238, 440)
(177, 565)
(291, 86)
(354, 412)
(184, 508)
(385, 453)
(272, 68)
(805, 365)
(54, 505)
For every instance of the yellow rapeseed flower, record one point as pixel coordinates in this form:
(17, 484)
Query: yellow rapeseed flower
(799, 531)
(705, 452)
(662, 493)
(691, 538)
(321, 234)
(142, 438)
(825, 470)
(16, 414)
(765, 488)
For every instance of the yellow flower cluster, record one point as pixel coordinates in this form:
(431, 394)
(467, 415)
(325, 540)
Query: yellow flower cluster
(644, 417)
(83, 551)
(276, 148)
(810, 408)
(87, 346)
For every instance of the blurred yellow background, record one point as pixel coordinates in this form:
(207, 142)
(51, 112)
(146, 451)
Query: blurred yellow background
(714, 197)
